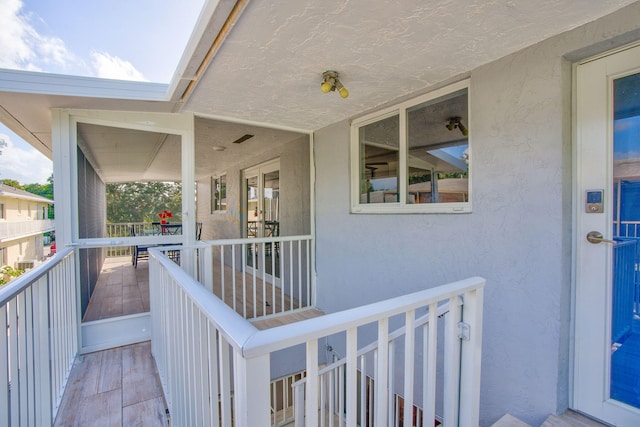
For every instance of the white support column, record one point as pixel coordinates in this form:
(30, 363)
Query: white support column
(188, 184)
(63, 176)
(252, 390)
(471, 360)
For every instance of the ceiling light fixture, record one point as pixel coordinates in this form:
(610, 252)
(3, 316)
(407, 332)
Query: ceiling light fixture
(331, 82)
(454, 122)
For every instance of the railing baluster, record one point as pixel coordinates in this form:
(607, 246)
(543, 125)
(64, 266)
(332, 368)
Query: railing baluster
(281, 249)
(409, 352)
(225, 381)
(213, 369)
(291, 275)
(273, 278)
(429, 340)
(244, 280)
(29, 357)
(324, 395)
(308, 272)
(4, 366)
(233, 276)
(393, 411)
(451, 363)
(264, 279)
(254, 281)
(363, 391)
(222, 281)
(382, 375)
(299, 274)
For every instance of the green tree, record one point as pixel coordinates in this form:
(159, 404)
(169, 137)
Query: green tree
(142, 201)
(44, 190)
(12, 183)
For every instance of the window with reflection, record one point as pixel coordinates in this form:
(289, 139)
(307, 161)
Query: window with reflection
(438, 150)
(219, 193)
(379, 156)
(414, 157)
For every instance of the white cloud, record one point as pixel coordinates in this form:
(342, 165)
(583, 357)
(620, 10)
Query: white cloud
(22, 162)
(22, 47)
(111, 67)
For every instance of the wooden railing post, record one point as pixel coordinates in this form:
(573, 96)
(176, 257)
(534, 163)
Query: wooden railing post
(471, 355)
(252, 395)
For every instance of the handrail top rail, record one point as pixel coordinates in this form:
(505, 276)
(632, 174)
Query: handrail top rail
(245, 240)
(19, 284)
(280, 337)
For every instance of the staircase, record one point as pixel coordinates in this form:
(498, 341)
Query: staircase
(568, 419)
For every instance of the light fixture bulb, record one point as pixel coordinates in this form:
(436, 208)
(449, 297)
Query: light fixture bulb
(326, 87)
(343, 92)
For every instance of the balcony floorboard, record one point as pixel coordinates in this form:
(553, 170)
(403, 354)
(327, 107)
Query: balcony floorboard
(120, 290)
(116, 387)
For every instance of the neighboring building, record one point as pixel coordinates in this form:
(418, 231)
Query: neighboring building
(24, 219)
(396, 195)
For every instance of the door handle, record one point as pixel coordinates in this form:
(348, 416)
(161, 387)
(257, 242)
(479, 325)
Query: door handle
(596, 237)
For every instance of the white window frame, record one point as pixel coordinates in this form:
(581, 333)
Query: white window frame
(214, 179)
(402, 206)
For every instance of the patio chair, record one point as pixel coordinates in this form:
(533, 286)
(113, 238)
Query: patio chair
(137, 252)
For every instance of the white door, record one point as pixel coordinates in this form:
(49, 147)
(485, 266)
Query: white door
(262, 215)
(607, 205)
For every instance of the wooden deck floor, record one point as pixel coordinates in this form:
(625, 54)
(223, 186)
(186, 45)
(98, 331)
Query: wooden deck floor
(120, 290)
(117, 387)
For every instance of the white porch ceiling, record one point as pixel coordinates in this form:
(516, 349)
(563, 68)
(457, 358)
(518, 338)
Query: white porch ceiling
(269, 68)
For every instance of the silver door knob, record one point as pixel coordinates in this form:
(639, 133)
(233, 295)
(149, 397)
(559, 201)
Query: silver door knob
(596, 237)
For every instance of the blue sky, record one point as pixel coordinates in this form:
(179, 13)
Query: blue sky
(139, 40)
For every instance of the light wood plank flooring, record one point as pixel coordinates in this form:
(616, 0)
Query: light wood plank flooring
(120, 290)
(116, 387)
(268, 299)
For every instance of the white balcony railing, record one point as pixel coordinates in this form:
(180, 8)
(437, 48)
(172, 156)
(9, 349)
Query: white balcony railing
(38, 341)
(17, 229)
(256, 277)
(216, 368)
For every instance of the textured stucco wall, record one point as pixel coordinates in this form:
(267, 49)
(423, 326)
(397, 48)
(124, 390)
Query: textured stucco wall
(518, 236)
(294, 194)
